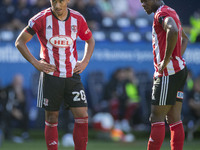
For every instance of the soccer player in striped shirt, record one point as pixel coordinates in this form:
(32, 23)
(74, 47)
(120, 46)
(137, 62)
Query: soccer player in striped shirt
(169, 43)
(57, 29)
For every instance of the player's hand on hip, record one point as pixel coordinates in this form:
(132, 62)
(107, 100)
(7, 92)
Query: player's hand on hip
(80, 66)
(45, 67)
(161, 67)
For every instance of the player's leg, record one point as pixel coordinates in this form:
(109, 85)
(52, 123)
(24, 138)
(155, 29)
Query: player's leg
(80, 133)
(76, 100)
(51, 131)
(176, 127)
(50, 97)
(159, 110)
(174, 116)
(157, 119)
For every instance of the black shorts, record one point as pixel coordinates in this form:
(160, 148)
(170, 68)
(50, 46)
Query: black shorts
(53, 91)
(169, 89)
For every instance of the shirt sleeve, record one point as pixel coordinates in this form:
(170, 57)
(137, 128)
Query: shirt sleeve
(35, 23)
(84, 32)
(161, 16)
(30, 30)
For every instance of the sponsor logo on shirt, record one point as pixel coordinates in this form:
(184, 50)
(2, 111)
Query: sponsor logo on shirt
(61, 41)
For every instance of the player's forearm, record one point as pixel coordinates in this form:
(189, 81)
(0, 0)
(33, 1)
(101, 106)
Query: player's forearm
(171, 40)
(89, 48)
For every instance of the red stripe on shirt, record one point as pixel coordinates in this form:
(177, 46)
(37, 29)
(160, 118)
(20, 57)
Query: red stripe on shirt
(67, 51)
(75, 51)
(176, 65)
(43, 42)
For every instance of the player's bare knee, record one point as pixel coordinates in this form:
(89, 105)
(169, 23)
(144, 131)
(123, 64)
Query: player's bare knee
(172, 118)
(153, 118)
(51, 117)
(156, 117)
(79, 112)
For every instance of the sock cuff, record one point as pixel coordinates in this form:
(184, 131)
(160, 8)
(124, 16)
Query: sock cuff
(158, 124)
(81, 120)
(51, 124)
(175, 124)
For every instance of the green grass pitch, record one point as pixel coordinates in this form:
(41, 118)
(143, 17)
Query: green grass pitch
(39, 144)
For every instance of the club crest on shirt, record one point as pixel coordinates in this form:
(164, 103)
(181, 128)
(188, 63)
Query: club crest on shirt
(61, 41)
(74, 28)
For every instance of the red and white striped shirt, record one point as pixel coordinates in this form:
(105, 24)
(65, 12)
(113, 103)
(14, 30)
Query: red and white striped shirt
(176, 63)
(58, 39)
